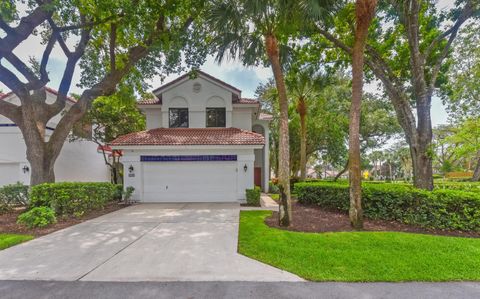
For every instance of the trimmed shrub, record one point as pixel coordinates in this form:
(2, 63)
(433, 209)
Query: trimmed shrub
(72, 199)
(441, 209)
(37, 217)
(253, 196)
(13, 195)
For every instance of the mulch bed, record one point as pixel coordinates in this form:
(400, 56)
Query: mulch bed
(8, 221)
(312, 218)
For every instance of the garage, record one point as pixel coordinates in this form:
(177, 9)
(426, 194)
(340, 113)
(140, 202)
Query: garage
(183, 181)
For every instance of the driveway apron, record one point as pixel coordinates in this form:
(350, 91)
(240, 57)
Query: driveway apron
(146, 242)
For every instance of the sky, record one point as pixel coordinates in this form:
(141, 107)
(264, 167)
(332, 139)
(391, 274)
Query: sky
(233, 72)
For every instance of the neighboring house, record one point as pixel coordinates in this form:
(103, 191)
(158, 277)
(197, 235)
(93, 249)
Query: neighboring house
(203, 143)
(78, 160)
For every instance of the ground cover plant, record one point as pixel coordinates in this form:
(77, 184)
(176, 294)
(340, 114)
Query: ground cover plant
(359, 256)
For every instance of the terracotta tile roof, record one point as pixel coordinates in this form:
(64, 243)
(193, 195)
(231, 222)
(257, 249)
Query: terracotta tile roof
(50, 90)
(152, 101)
(246, 101)
(190, 136)
(265, 116)
(200, 73)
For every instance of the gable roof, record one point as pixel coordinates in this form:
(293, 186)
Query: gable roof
(190, 136)
(48, 89)
(200, 74)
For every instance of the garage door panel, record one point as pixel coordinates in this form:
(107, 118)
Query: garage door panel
(189, 181)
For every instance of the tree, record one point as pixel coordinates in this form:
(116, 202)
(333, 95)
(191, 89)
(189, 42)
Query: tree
(461, 92)
(364, 13)
(467, 138)
(259, 31)
(304, 86)
(109, 118)
(407, 54)
(114, 42)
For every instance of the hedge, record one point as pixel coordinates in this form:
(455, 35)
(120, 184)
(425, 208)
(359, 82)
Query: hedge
(72, 199)
(440, 209)
(253, 196)
(13, 195)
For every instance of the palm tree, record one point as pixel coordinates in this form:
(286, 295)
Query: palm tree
(304, 86)
(257, 31)
(364, 13)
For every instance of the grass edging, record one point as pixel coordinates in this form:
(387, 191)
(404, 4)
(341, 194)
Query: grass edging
(359, 256)
(9, 240)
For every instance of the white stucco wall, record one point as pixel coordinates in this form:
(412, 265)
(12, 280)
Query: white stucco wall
(154, 118)
(184, 96)
(245, 156)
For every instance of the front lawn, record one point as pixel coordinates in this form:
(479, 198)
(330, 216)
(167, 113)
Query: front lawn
(359, 256)
(8, 240)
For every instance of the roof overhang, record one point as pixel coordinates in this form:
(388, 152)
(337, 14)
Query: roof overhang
(127, 148)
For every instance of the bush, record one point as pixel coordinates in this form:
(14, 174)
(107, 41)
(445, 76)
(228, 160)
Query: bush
(253, 196)
(13, 195)
(441, 209)
(76, 199)
(273, 188)
(37, 217)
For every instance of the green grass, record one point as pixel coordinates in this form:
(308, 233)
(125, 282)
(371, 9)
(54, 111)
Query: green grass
(8, 240)
(359, 256)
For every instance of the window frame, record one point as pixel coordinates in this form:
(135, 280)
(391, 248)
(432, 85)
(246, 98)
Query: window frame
(170, 119)
(223, 109)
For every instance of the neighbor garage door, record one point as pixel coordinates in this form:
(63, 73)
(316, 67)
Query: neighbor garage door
(200, 181)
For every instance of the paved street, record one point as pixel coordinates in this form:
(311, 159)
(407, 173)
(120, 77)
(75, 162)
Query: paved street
(236, 290)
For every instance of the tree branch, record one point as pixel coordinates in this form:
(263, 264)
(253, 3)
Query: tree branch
(467, 12)
(25, 28)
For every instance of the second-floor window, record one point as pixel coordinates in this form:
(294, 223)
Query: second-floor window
(178, 117)
(216, 117)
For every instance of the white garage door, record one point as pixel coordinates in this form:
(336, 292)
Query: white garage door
(189, 181)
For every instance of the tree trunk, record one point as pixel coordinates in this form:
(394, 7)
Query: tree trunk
(422, 165)
(364, 11)
(476, 172)
(345, 168)
(303, 139)
(285, 207)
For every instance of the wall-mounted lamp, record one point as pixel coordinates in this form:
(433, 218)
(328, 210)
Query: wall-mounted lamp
(245, 168)
(26, 169)
(131, 169)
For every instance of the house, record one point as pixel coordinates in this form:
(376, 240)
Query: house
(203, 143)
(78, 160)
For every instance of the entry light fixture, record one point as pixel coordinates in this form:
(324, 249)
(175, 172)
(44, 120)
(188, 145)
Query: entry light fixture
(131, 169)
(25, 169)
(245, 168)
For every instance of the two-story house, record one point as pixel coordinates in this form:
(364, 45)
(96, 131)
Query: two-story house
(78, 160)
(203, 143)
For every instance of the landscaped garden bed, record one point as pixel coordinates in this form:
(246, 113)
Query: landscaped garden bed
(313, 218)
(8, 221)
(50, 207)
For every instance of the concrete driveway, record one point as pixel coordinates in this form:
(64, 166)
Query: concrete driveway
(147, 242)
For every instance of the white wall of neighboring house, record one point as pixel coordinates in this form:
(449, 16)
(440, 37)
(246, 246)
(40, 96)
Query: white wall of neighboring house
(78, 161)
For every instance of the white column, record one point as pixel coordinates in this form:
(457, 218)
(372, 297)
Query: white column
(266, 158)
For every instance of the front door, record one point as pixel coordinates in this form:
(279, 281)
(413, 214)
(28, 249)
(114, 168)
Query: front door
(257, 176)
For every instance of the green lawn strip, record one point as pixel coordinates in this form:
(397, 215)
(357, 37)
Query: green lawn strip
(8, 240)
(359, 256)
